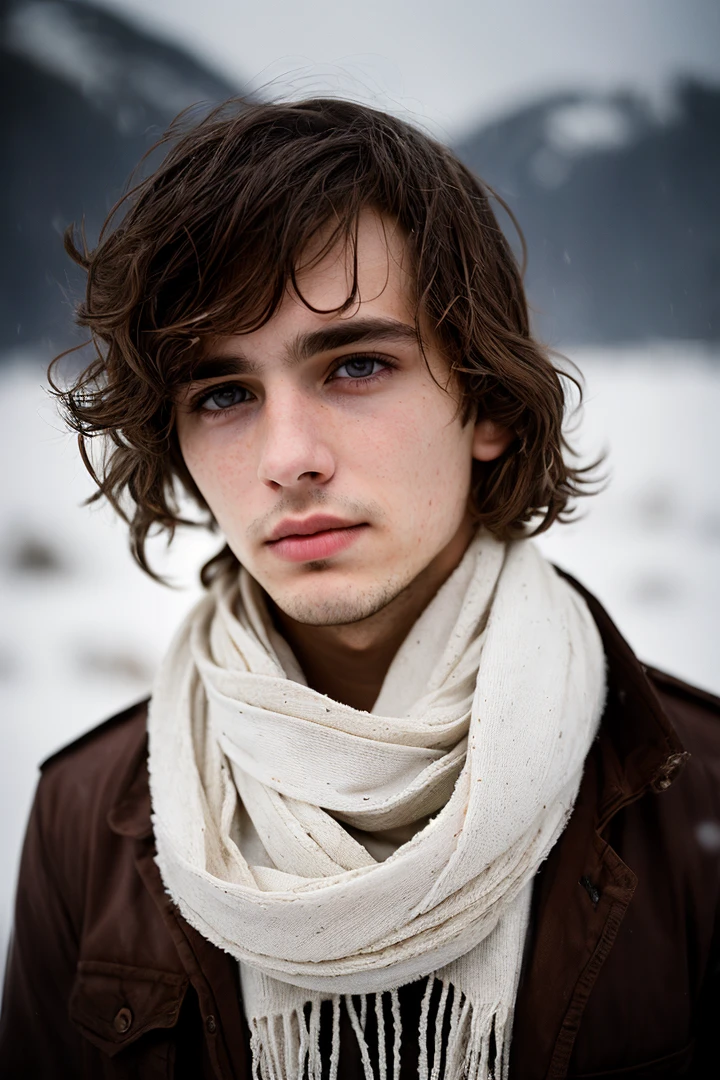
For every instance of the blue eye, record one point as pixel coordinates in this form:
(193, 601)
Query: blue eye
(359, 367)
(224, 398)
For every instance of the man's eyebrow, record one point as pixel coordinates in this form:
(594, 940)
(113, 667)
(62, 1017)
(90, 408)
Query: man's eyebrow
(351, 332)
(218, 367)
(338, 335)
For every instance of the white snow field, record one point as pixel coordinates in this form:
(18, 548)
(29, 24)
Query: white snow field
(83, 629)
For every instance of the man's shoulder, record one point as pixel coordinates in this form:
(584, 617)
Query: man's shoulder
(100, 761)
(694, 713)
(678, 690)
(694, 797)
(120, 734)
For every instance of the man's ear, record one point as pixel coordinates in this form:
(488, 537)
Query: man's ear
(490, 440)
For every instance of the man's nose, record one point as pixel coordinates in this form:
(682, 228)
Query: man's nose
(295, 443)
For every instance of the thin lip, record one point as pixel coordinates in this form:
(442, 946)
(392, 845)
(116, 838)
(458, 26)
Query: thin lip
(308, 526)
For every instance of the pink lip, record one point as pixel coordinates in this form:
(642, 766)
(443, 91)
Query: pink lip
(314, 538)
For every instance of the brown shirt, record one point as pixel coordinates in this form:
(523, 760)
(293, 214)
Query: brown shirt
(622, 970)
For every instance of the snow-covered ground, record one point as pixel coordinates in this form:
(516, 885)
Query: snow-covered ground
(83, 628)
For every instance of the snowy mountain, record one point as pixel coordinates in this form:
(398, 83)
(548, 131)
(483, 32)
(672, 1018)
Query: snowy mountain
(85, 95)
(617, 200)
(618, 203)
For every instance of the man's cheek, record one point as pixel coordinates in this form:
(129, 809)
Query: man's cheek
(229, 475)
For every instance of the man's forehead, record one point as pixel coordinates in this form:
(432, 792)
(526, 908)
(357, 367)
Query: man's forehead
(374, 257)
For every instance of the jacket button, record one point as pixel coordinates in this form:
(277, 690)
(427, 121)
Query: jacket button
(123, 1021)
(211, 1024)
(669, 770)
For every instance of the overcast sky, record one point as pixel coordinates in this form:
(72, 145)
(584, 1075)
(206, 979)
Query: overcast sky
(450, 62)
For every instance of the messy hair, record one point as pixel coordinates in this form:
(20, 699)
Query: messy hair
(207, 245)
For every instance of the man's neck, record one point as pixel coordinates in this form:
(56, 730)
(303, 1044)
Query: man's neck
(349, 662)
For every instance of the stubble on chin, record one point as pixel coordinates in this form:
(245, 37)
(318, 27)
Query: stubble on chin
(346, 607)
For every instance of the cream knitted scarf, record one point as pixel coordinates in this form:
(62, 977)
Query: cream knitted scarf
(335, 852)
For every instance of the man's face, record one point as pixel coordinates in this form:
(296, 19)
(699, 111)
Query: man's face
(336, 467)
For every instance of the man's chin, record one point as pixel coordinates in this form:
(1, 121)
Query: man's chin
(341, 603)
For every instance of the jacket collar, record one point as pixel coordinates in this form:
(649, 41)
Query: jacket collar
(640, 749)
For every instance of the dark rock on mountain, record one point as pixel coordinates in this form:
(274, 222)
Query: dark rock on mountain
(620, 210)
(85, 95)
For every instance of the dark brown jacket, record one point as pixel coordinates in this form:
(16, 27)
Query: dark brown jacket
(622, 972)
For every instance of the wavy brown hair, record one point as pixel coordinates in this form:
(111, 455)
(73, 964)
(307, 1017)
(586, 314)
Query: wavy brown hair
(207, 244)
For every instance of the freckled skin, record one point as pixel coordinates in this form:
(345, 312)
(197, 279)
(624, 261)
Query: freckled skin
(389, 451)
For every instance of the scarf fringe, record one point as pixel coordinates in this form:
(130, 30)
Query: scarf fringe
(288, 1047)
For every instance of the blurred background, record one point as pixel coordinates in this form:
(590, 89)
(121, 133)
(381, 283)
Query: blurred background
(599, 125)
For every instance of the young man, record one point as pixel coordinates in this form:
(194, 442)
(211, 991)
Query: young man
(403, 803)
